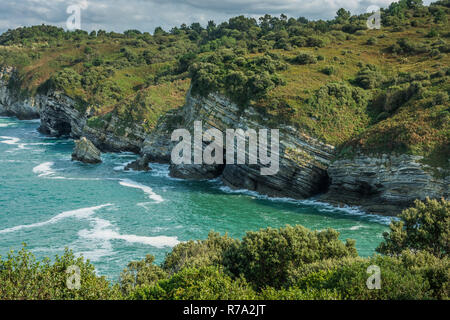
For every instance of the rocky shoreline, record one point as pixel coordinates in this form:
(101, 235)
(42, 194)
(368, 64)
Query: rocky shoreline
(382, 185)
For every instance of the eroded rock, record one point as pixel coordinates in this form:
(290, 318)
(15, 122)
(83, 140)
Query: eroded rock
(86, 152)
(141, 164)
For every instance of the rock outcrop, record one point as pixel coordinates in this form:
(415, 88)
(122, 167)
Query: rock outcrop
(141, 164)
(386, 184)
(12, 102)
(61, 117)
(303, 160)
(86, 152)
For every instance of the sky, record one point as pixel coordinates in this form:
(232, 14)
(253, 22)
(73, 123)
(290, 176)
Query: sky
(146, 15)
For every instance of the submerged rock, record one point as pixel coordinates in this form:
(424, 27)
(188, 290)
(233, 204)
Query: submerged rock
(140, 164)
(86, 152)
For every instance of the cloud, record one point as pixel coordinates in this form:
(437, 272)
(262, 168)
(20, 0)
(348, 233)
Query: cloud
(145, 15)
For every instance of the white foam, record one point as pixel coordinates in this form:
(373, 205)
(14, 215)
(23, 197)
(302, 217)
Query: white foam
(321, 206)
(121, 166)
(5, 125)
(12, 141)
(44, 169)
(146, 189)
(78, 214)
(103, 231)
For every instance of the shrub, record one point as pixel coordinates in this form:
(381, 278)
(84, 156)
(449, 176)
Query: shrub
(426, 226)
(140, 274)
(371, 41)
(266, 257)
(304, 58)
(409, 277)
(369, 78)
(24, 278)
(204, 283)
(198, 253)
(328, 70)
(294, 293)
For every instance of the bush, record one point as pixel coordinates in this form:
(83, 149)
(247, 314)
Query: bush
(304, 58)
(328, 70)
(24, 278)
(426, 227)
(204, 283)
(409, 277)
(140, 274)
(371, 41)
(369, 78)
(198, 253)
(267, 257)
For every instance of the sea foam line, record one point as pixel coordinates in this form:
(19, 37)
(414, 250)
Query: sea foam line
(322, 206)
(103, 230)
(146, 189)
(79, 214)
(12, 141)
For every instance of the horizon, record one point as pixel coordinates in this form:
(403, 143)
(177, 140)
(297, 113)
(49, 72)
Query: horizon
(121, 15)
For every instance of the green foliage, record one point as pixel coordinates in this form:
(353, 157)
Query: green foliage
(328, 70)
(405, 46)
(266, 257)
(304, 58)
(24, 278)
(199, 253)
(423, 227)
(369, 77)
(140, 274)
(240, 78)
(204, 283)
(413, 276)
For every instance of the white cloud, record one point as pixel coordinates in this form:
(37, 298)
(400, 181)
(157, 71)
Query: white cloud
(145, 15)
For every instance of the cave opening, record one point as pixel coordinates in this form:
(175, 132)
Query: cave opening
(324, 183)
(63, 128)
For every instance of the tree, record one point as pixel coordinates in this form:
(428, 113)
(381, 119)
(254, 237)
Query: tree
(342, 15)
(268, 256)
(426, 226)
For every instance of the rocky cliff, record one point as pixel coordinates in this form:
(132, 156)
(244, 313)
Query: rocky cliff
(12, 101)
(303, 160)
(385, 184)
(381, 185)
(60, 116)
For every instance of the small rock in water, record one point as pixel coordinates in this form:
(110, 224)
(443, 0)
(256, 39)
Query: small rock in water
(140, 164)
(86, 152)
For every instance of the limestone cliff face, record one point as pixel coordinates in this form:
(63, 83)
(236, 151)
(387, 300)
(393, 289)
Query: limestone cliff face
(11, 101)
(60, 116)
(382, 185)
(385, 184)
(303, 160)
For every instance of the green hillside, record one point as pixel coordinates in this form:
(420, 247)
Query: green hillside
(377, 91)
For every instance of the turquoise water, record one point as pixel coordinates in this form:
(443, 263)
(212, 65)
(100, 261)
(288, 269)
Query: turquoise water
(112, 217)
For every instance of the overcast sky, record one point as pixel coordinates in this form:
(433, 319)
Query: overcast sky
(145, 15)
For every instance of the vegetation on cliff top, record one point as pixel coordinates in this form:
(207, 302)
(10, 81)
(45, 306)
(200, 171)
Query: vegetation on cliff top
(285, 263)
(377, 91)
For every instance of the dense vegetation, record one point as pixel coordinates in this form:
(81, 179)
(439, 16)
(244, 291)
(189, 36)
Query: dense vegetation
(285, 263)
(376, 91)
